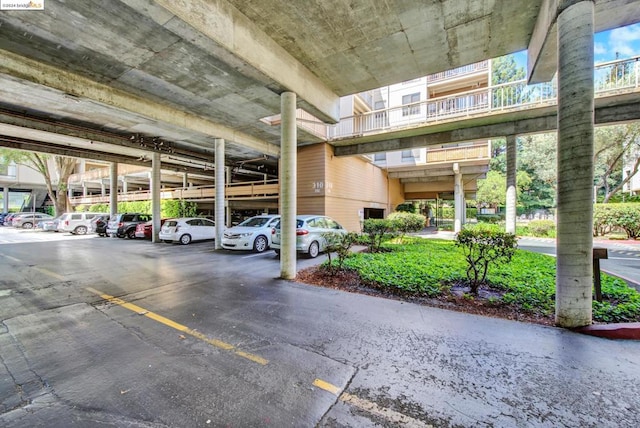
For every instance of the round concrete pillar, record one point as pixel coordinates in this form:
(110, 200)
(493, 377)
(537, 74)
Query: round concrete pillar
(219, 208)
(575, 165)
(288, 181)
(510, 226)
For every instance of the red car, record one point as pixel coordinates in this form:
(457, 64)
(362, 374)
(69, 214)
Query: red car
(143, 230)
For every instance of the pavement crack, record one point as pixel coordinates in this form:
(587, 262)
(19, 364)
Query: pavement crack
(27, 383)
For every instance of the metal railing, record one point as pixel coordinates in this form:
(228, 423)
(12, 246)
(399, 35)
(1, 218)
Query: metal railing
(610, 78)
(460, 71)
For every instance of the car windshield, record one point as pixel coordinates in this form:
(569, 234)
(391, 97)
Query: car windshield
(299, 224)
(255, 222)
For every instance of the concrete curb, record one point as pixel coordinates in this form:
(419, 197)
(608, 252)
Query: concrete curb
(627, 331)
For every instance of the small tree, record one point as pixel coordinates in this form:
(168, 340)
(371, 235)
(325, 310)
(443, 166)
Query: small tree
(483, 246)
(376, 229)
(341, 244)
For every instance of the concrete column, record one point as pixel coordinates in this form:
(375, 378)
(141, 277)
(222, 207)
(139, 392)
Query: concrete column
(227, 172)
(103, 189)
(84, 189)
(288, 181)
(155, 195)
(5, 199)
(70, 191)
(510, 226)
(125, 185)
(219, 209)
(185, 180)
(575, 164)
(113, 188)
(458, 199)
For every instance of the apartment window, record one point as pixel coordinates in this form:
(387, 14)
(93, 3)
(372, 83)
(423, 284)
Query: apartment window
(380, 157)
(4, 169)
(410, 99)
(408, 155)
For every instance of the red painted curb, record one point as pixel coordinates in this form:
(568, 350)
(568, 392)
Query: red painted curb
(629, 331)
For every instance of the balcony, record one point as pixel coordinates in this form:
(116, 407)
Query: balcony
(611, 78)
(457, 72)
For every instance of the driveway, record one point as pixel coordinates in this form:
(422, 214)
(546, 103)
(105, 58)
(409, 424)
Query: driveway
(110, 332)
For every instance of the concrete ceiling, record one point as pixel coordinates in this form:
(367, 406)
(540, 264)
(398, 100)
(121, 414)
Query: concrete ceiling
(187, 72)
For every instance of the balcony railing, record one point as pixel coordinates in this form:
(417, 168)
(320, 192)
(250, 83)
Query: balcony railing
(610, 78)
(460, 71)
(266, 189)
(458, 154)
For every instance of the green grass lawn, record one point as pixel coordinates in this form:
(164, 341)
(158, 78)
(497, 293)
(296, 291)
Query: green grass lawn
(429, 267)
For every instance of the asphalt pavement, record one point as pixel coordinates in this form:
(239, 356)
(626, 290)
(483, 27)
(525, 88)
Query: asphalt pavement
(115, 332)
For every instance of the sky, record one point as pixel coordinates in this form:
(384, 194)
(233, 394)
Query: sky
(624, 41)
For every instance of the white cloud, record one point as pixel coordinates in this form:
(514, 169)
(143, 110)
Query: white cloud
(625, 41)
(599, 49)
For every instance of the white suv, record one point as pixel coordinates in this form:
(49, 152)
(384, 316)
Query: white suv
(76, 223)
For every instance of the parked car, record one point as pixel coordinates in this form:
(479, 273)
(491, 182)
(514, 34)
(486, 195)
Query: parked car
(76, 223)
(309, 234)
(252, 234)
(98, 224)
(9, 217)
(29, 221)
(48, 225)
(2, 216)
(145, 230)
(187, 229)
(122, 225)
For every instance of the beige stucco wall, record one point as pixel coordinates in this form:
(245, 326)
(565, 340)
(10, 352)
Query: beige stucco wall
(343, 187)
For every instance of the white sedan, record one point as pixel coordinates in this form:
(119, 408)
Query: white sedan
(252, 234)
(187, 229)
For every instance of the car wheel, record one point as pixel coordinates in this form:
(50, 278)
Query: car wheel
(314, 250)
(185, 239)
(277, 253)
(131, 234)
(260, 244)
(27, 225)
(80, 230)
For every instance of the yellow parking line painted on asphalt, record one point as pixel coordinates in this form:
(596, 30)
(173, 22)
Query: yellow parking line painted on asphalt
(48, 272)
(326, 386)
(371, 407)
(166, 321)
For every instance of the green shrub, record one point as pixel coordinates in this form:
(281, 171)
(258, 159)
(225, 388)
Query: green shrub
(176, 208)
(542, 228)
(407, 207)
(377, 229)
(404, 222)
(490, 218)
(482, 247)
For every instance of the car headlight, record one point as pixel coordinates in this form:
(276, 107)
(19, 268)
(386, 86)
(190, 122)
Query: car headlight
(244, 235)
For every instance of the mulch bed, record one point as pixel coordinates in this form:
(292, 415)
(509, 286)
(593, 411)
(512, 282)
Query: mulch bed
(457, 299)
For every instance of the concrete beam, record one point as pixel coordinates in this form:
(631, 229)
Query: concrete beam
(439, 172)
(232, 31)
(82, 87)
(542, 52)
(24, 144)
